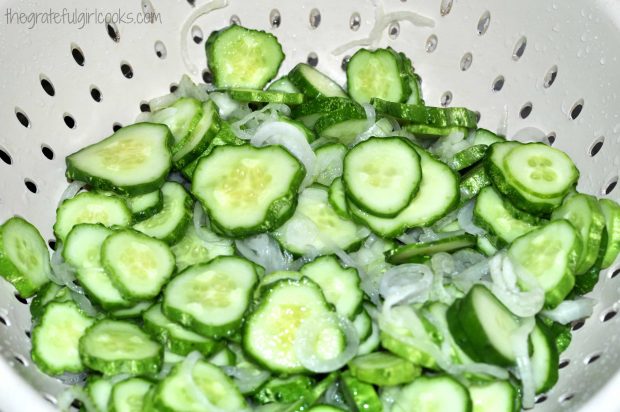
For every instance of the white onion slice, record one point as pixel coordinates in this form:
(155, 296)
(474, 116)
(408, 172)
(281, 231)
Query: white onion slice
(407, 283)
(502, 128)
(71, 190)
(410, 236)
(159, 103)
(520, 345)
(247, 378)
(505, 288)
(309, 333)
(186, 372)
(291, 138)
(201, 225)
(466, 219)
(571, 310)
(225, 104)
(265, 251)
(187, 88)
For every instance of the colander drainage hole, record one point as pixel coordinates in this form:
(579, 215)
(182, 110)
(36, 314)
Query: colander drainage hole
(355, 21)
(313, 59)
(431, 43)
(95, 93)
(69, 120)
(446, 98)
(498, 83)
(51, 399)
(144, 107)
(483, 23)
(47, 152)
(126, 70)
(592, 358)
(466, 61)
(77, 54)
(540, 398)
(566, 398)
(20, 359)
(28, 334)
(394, 30)
(52, 244)
(21, 117)
(173, 87)
(314, 18)
(445, 7)
(275, 19)
(116, 127)
(5, 157)
(613, 273)
(345, 62)
(610, 186)
(47, 86)
(113, 31)
(552, 73)
(197, 35)
(564, 363)
(234, 19)
(526, 110)
(30, 185)
(207, 77)
(20, 299)
(577, 325)
(576, 110)
(160, 49)
(191, 3)
(4, 321)
(597, 146)
(609, 315)
(550, 138)
(519, 48)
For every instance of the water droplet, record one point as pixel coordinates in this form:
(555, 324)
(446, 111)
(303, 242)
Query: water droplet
(556, 28)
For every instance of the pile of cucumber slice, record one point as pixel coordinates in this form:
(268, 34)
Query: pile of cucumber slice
(300, 246)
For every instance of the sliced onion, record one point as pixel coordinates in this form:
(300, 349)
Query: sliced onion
(502, 128)
(446, 147)
(83, 303)
(407, 283)
(382, 128)
(571, 310)
(265, 251)
(71, 190)
(291, 138)
(186, 372)
(226, 105)
(333, 396)
(370, 263)
(247, 378)
(72, 393)
(244, 128)
(201, 227)
(309, 333)
(410, 236)
(520, 345)
(465, 279)
(187, 88)
(160, 103)
(466, 219)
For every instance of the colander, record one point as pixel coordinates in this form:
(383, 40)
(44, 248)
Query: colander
(537, 70)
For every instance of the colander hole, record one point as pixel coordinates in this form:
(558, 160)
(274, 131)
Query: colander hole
(197, 35)
(30, 185)
(613, 273)
(191, 3)
(577, 325)
(126, 70)
(540, 398)
(144, 107)
(77, 54)
(4, 321)
(345, 63)
(519, 48)
(51, 399)
(207, 77)
(52, 244)
(466, 61)
(116, 127)
(69, 120)
(76, 404)
(21, 117)
(5, 157)
(610, 186)
(446, 98)
(564, 363)
(275, 19)
(498, 83)
(95, 93)
(315, 18)
(47, 152)
(445, 7)
(592, 358)
(355, 21)
(113, 31)
(234, 19)
(394, 30)
(576, 110)
(566, 398)
(483, 22)
(20, 299)
(313, 59)
(550, 77)
(20, 359)
(28, 334)
(431, 43)
(526, 110)
(47, 86)
(160, 49)
(147, 7)
(478, 116)
(173, 87)
(550, 139)
(597, 146)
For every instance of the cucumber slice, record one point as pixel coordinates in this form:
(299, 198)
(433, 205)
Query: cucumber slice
(173, 336)
(112, 347)
(499, 217)
(550, 255)
(134, 160)
(611, 211)
(322, 105)
(170, 224)
(383, 369)
(181, 118)
(586, 282)
(194, 248)
(208, 384)
(426, 115)
(283, 84)
(311, 397)
(413, 80)
(370, 343)
(379, 73)
(406, 351)
(55, 338)
(337, 199)
(433, 394)
(284, 390)
(247, 190)
(83, 251)
(495, 169)
(50, 292)
(269, 96)
(412, 252)
(359, 394)
(473, 182)
(131, 312)
(270, 329)
(426, 132)
(316, 228)
(241, 57)
(438, 194)
(198, 140)
(110, 211)
(137, 264)
(341, 286)
(146, 205)
(468, 157)
(313, 83)
(363, 325)
(487, 245)
(278, 275)
(382, 175)
(211, 298)
(486, 137)
(223, 357)
(328, 164)
(545, 358)
(128, 395)
(585, 214)
(498, 396)
(540, 170)
(482, 326)
(24, 258)
(98, 391)
(342, 125)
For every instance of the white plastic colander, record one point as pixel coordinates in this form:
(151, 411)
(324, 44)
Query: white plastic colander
(525, 66)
